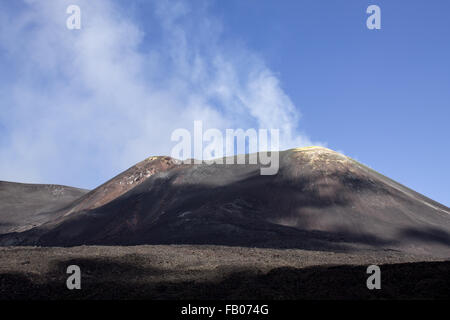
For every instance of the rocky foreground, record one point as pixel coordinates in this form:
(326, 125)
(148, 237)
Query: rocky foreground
(216, 272)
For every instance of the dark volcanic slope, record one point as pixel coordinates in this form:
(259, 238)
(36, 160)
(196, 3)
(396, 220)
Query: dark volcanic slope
(23, 206)
(319, 200)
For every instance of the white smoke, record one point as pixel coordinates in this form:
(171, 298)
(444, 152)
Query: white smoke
(79, 106)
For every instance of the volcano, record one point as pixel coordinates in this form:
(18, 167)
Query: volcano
(319, 200)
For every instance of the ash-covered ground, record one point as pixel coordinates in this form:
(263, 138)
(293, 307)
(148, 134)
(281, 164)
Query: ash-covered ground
(216, 272)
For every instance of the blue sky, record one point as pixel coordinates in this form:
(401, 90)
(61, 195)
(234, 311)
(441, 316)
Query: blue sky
(381, 96)
(78, 107)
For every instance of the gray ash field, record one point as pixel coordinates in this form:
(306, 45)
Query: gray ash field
(166, 230)
(216, 272)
